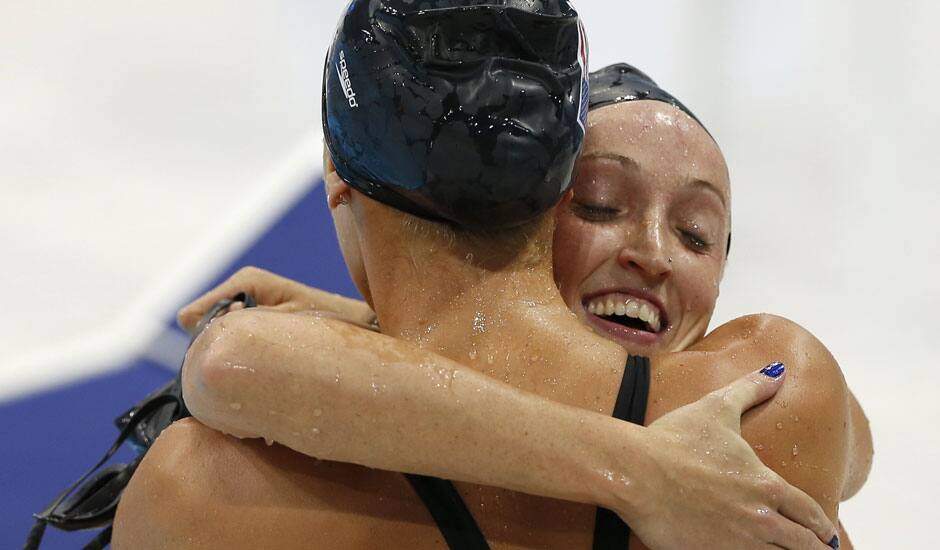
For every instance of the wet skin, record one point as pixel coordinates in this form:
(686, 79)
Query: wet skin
(650, 219)
(670, 214)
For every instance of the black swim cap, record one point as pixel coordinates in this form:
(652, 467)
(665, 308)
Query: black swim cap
(622, 82)
(470, 111)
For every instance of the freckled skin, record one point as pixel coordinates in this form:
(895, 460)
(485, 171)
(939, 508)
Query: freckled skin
(641, 245)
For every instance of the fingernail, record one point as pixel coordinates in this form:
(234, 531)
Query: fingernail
(773, 370)
(834, 543)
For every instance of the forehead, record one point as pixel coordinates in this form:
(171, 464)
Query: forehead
(660, 138)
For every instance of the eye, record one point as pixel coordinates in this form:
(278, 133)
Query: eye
(694, 241)
(594, 213)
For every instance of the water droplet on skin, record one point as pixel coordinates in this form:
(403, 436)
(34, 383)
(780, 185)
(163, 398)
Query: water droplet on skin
(479, 323)
(315, 431)
(472, 354)
(796, 450)
(779, 425)
(241, 368)
(235, 406)
(268, 442)
(758, 447)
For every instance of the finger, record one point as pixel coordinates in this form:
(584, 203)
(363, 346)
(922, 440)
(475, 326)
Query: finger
(252, 280)
(750, 390)
(808, 515)
(796, 537)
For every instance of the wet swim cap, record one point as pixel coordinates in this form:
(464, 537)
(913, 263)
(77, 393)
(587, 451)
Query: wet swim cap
(466, 111)
(622, 82)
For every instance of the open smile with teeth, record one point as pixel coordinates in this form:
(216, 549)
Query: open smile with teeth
(629, 311)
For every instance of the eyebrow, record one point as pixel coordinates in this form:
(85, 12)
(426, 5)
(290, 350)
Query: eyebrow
(704, 184)
(631, 164)
(626, 162)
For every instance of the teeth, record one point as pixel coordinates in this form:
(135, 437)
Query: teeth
(635, 308)
(654, 324)
(645, 313)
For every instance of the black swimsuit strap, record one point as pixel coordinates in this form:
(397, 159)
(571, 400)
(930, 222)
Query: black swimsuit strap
(457, 524)
(450, 513)
(609, 530)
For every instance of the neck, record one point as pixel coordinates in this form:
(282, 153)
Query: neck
(490, 304)
(457, 296)
(450, 303)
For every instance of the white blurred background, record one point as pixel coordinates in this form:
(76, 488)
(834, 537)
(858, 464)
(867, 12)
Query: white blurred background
(141, 142)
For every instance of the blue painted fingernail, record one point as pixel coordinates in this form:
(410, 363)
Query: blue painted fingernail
(773, 370)
(834, 543)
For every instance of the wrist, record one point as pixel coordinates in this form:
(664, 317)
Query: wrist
(617, 467)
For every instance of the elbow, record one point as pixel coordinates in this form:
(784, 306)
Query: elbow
(210, 375)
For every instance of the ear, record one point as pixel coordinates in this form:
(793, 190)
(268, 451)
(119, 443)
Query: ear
(337, 190)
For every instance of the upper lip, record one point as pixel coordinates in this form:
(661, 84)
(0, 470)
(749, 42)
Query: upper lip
(642, 294)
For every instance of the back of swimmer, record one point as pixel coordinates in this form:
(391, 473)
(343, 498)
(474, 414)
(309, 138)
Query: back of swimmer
(462, 119)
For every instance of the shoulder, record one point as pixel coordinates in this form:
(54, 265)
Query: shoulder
(763, 338)
(803, 431)
(195, 489)
(158, 502)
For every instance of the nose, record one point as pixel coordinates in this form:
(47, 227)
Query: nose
(644, 251)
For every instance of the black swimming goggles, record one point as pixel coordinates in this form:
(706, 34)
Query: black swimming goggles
(90, 502)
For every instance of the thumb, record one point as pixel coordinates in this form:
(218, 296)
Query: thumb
(751, 390)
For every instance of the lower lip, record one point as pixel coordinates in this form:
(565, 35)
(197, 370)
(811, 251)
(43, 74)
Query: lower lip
(621, 333)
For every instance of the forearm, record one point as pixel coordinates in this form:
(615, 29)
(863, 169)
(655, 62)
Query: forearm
(334, 392)
(273, 291)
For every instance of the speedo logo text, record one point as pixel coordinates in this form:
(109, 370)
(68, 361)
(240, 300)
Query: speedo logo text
(342, 71)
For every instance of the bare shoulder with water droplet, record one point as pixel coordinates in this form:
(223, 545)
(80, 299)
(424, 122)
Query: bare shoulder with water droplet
(803, 432)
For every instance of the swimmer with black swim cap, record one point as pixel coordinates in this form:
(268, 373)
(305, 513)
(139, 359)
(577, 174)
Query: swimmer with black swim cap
(469, 114)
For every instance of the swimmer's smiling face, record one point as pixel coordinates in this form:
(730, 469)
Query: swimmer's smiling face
(641, 248)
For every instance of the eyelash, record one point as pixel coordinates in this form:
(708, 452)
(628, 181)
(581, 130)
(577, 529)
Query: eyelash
(595, 213)
(602, 214)
(695, 242)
